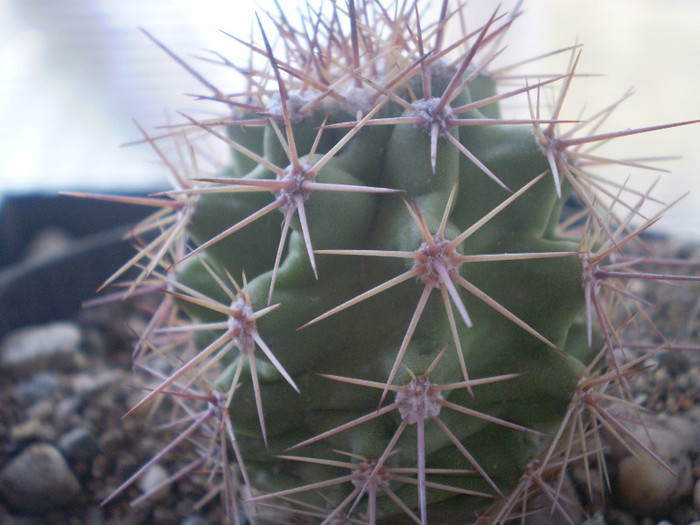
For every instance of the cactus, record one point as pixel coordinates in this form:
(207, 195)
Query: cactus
(379, 302)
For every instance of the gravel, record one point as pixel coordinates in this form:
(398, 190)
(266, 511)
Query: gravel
(64, 446)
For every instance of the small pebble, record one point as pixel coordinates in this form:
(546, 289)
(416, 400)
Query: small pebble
(95, 516)
(100, 466)
(151, 479)
(692, 416)
(687, 431)
(164, 515)
(41, 409)
(111, 441)
(616, 516)
(644, 486)
(53, 346)
(37, 387)
(597, 519)
(67, 410)
(194, 520)
(674, 362)
(38, 480)
(32, 430)
(89, 383)
(78, 444)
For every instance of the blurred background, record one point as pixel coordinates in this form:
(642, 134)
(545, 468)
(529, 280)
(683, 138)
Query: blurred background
(75, 73)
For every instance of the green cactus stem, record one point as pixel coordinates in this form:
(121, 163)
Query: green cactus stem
(382, 302)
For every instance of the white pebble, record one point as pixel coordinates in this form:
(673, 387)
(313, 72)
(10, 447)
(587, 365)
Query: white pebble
(50, 346)
(151, 479)
(647, 487)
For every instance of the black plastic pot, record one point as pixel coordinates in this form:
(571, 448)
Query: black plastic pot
(33, 292)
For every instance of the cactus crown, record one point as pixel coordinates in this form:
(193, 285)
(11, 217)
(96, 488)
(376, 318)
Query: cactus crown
(418, 325)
